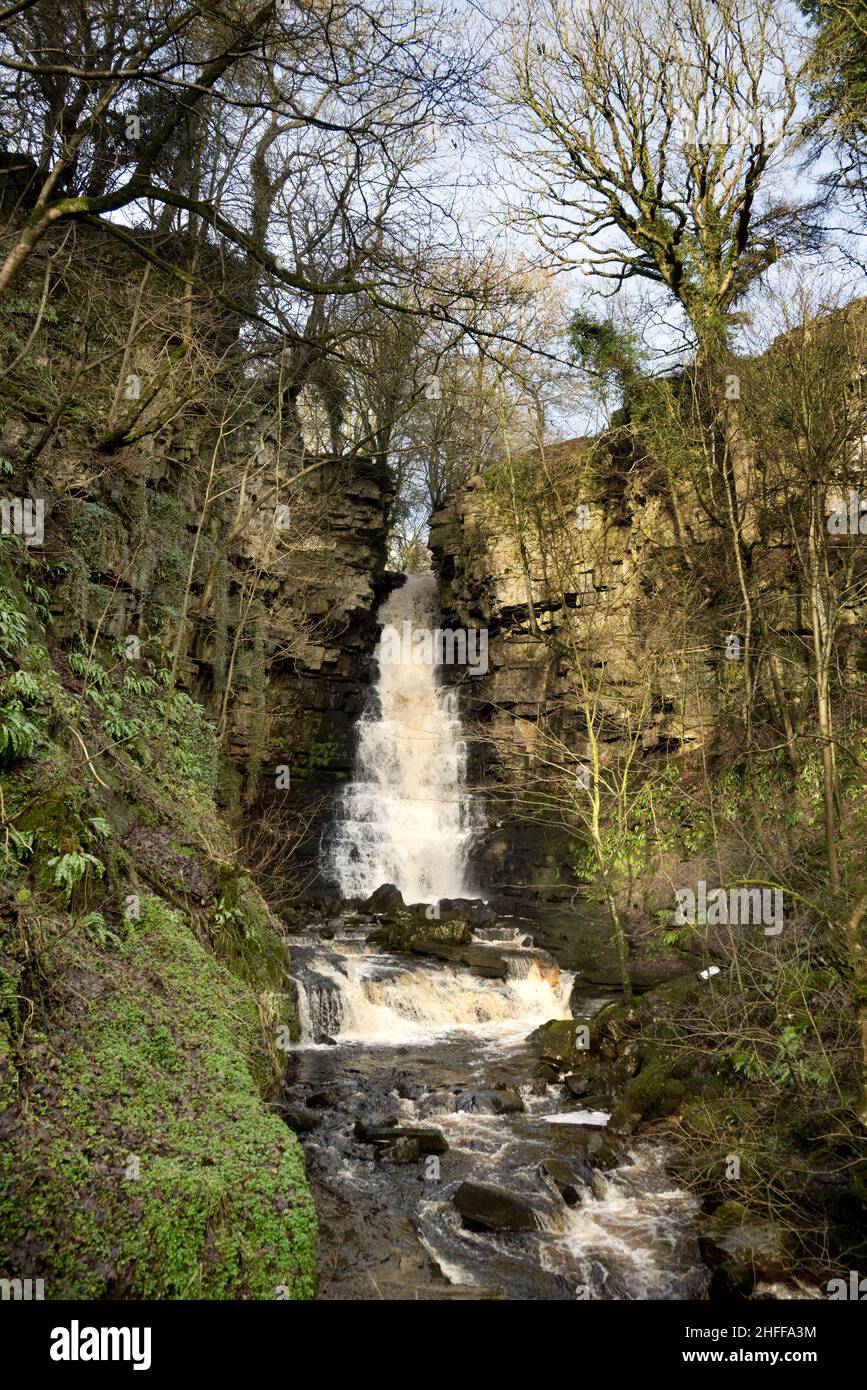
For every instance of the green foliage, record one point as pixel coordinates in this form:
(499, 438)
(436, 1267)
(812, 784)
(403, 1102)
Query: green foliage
(69, 869)
(839, 87)
(18, 736)
(13, 625)
(24, 685)
(94, 926)
(15, 305)
(83, 665)
(602, 349)
(150, 1114)
(786, 1066)
(226, 916)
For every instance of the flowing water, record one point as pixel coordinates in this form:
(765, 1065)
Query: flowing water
(411, 1041)
(407, 817)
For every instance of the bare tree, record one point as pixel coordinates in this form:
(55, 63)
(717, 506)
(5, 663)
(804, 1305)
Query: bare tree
(652, 133)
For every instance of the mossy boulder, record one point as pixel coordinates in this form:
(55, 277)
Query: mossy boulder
(654, 1093)
(386, 898)
(410, 929)
(743, 1247)
(563, 1043)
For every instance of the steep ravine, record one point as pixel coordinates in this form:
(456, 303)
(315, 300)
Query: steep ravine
(454, 1114)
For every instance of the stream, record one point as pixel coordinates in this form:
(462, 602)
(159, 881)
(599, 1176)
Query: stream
(443, 1163)
(422, 1044)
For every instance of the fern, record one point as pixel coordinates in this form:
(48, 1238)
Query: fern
(18, 737)
(13, 627)
(94, 925)
(85, 666)
(70, 869)
(21, 683)
(119, 728)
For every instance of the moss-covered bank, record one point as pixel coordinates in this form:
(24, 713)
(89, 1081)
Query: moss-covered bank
(142, 1003)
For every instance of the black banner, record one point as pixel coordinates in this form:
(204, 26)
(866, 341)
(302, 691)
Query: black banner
(85, 1340)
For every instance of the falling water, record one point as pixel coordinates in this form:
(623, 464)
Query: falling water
(434, 1048)
(407, 817)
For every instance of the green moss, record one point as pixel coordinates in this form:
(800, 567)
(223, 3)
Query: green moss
(137, 1053)
(562, 1042)
(404, 930)
(161, 1174)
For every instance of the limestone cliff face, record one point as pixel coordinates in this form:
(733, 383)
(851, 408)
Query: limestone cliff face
(274, 583)
(603, 594)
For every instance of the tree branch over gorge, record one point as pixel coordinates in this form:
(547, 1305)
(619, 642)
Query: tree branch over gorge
(101, 107)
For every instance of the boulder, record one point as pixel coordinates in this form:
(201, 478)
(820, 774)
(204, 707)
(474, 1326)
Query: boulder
(404, 1149)
(484, 1206)
(560, 1043)
(644, 975)
(476, 912)
(409, 929)
(595, 1148)
(300, 1118)
(429, 1139)
(385, 899)
(565, 1181)
(366, 1125)
(654, 1093)
(743, 1247)
(505, 1101)
(482, 960)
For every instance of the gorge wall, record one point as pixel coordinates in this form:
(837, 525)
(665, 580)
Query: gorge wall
(581, 557)
(212, 524)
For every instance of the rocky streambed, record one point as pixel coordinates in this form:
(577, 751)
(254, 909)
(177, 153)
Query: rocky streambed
(453, 1096)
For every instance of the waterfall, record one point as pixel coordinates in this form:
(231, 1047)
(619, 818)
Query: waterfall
(376, 997)
(407, 817)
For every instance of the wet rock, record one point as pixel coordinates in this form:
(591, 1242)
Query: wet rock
(505, 1101)
(404, 1149)
(409, 1090)
(408, 929)
(325, 1039)
(577, 1085)
(643, 974)
(563, 1178)
(429, 1139)
(563, 1043)
(385, 899)
(654, 1092)
(300, 1118)
(476, 912)
(743, 1247)
(486, 961)
(484, 1206)
(366, 1125)
(596, 1148)
(331, 1097)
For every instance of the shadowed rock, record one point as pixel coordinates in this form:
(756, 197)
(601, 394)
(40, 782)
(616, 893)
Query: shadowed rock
(484, 1206)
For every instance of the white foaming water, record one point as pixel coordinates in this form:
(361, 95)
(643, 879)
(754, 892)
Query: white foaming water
(407, 817)
(355, 1000)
